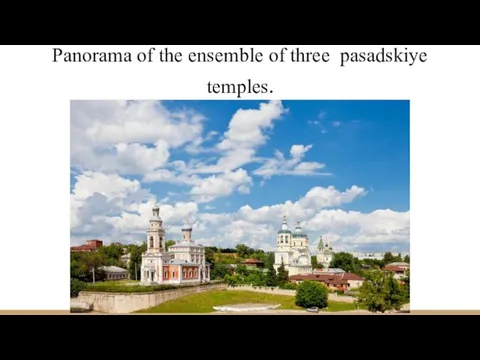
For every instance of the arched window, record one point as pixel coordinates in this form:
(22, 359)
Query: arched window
(184, 273)
(173, 275)
(190, 273)
(165, 274)
(151, 241)
(196, 274)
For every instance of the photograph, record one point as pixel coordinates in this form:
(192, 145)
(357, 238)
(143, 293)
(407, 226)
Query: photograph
(236, 207)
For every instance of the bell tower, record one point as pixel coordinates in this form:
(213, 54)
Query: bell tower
(155, 232)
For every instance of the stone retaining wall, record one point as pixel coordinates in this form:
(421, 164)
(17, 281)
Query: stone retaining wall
(277, 291)
(123, 303)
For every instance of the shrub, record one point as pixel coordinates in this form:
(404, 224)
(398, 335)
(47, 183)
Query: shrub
(76, 286)
(311, 293)
(289, 286)
(114, 288)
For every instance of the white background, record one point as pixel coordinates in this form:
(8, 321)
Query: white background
(34, 152)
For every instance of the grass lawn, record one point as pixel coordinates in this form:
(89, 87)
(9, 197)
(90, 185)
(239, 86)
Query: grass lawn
(101, 284)
(204, 302)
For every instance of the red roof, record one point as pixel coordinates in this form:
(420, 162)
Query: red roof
(252, 261)
(83, 248)
(329, 279)
(394, 268)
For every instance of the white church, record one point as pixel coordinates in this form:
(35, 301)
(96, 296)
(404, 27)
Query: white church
(293, 250)
(183, 263)
(324, 254)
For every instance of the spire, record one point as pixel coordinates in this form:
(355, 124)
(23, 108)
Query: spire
(187, 231)
(298, 228)
(284, 219)
(187, 226)
(155, 204)
(320, 243)
(156, 213)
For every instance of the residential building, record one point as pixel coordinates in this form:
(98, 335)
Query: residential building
(90, 246)
(371, 255)
(342, 282)
(253, 263)
(114, 273)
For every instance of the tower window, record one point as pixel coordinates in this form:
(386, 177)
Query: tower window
(151, 241)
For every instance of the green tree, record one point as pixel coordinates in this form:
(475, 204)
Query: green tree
(210, 254)
(242, 270)
(271, 279)
(111, 254)
(381, 292)
(255, 279)
(396, 295)
(135, 264)
(75, 287)
(314, 262)
(311, 293)
(282, 275)
(346, 261)
(407, 259)
(232, 280)
(389, 258)
(169, 243)
(406, 284)
(243, 251)
(219, 271)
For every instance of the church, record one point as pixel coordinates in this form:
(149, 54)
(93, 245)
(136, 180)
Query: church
(325, 254)
(293, 250)
(182, 263)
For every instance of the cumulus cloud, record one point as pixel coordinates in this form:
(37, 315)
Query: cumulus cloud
(247, 131)
(118, 209)
(101, 131)
(292, 166)
(120, 148)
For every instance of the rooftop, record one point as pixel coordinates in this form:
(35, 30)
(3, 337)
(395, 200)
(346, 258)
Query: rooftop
(333, 279)
(398, 264)
(394, 268)
(113, 269)
(182, 262)
(185, 244)
(252, 261)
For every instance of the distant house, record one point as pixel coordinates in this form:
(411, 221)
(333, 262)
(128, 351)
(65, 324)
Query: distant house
(114, 273)
(253, 263)
(341, 281)
(90, 246)
(328, 271)
(398, 268)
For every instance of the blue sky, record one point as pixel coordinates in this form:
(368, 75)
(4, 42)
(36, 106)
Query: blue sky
(341, 168)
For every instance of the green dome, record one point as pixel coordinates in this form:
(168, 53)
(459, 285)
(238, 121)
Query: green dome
(284, 232)
(297, 235)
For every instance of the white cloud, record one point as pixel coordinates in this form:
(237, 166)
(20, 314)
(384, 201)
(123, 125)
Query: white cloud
(221, 185)
(112, 139)
(336, 123)
(100, 130)
(246, 132)
(293, 166)
(116, 209)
